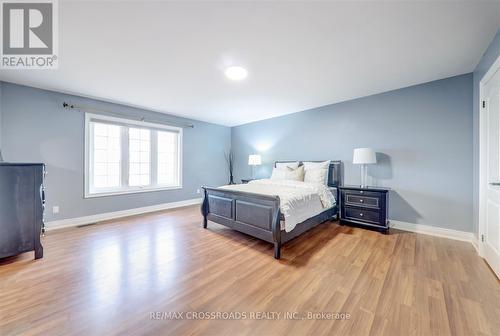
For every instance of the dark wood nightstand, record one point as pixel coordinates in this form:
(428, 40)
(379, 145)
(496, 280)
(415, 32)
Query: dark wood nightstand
(365, 206)
(245, 181)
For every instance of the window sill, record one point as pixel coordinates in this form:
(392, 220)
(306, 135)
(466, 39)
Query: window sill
(126, 192)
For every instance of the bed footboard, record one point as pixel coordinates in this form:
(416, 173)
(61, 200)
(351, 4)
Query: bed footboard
(254, 214)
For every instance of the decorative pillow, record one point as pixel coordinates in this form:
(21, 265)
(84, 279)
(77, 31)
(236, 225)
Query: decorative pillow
(288, 174)
(317, 165)
(283, 165)
(316, 172)
(316, 176)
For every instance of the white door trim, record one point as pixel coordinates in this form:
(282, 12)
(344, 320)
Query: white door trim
(482, 155)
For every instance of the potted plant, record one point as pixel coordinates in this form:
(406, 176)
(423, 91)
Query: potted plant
(230, 163)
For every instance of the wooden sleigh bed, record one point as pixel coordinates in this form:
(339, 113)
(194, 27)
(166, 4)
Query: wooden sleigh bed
(259, 215)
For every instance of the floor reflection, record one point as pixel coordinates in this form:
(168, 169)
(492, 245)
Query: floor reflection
(133, 265)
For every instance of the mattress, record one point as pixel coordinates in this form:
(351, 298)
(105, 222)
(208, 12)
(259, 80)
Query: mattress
(298, 200)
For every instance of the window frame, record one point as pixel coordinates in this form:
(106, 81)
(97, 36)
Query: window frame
(125, 189)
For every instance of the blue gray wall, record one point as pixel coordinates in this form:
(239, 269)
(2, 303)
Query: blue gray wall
(1, 116)
(35, 128)
(423, 136)
(489, 57)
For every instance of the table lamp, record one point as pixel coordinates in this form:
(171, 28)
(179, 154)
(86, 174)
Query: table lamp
(254, 160)
(364, 156)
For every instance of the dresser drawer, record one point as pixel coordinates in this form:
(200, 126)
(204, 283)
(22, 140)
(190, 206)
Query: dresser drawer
(363, 201)
(364, 215)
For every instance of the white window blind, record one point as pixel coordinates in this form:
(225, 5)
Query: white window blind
(125, 156)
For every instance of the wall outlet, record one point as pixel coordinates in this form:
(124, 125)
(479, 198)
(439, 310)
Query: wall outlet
(55, 209)
(198, 191)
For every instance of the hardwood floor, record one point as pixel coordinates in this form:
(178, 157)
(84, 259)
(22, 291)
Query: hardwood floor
(107, 279)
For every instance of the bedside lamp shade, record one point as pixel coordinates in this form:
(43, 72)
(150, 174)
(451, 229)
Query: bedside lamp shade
(364, 156)
(254, 160)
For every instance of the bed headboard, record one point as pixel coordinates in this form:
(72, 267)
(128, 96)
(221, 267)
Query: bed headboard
(335, 176)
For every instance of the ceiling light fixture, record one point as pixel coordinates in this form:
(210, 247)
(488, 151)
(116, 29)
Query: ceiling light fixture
(236, 73)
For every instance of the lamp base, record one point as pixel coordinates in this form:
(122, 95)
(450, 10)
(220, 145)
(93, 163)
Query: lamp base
(364, 176)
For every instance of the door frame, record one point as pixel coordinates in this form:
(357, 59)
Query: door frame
(482, 156)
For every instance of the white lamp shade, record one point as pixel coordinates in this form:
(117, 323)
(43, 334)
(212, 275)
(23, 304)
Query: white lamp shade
(364, 156)
(254, 160)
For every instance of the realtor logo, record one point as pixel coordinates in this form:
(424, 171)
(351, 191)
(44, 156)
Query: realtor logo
(29, 34)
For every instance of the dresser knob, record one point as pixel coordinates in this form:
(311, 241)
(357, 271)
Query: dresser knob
(361, 215)
(360, 201)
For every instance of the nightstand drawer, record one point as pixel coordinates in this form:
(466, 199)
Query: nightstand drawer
(367, 206)
(370, 216)
(363, 201)
(363, 193)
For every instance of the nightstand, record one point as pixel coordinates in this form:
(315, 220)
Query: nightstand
(245, 181)
(366, 206)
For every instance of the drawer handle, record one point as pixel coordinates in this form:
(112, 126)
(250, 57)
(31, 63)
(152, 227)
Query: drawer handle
(360, 201)
(361, 191)
(361, 215)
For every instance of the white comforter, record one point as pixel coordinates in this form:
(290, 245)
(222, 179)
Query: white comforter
(298, 200)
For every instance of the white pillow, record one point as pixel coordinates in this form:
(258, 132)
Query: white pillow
(317, 165)
(316, 176)
(288, 174)
(283, 165)
(316, 172)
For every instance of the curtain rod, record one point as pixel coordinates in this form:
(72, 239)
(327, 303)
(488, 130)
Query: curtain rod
(91, 109)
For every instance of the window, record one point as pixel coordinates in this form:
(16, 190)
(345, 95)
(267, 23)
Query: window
(127, 156)
(107, 157)
(168, 165)
(139, 146)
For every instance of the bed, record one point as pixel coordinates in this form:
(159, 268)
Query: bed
(248, 210)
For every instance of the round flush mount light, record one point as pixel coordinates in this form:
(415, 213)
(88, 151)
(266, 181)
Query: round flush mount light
(236, 73)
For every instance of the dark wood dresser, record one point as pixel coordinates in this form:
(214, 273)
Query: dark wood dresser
(22, 202)
(366, 206)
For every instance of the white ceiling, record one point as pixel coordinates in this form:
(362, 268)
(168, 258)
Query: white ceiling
(170, 56)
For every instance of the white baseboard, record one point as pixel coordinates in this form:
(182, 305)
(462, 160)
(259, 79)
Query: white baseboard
(475, 243)
(433, 231)
(71, 222)
(417, 228)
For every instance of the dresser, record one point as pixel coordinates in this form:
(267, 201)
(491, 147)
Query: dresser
(22, 202)
(366, 206)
